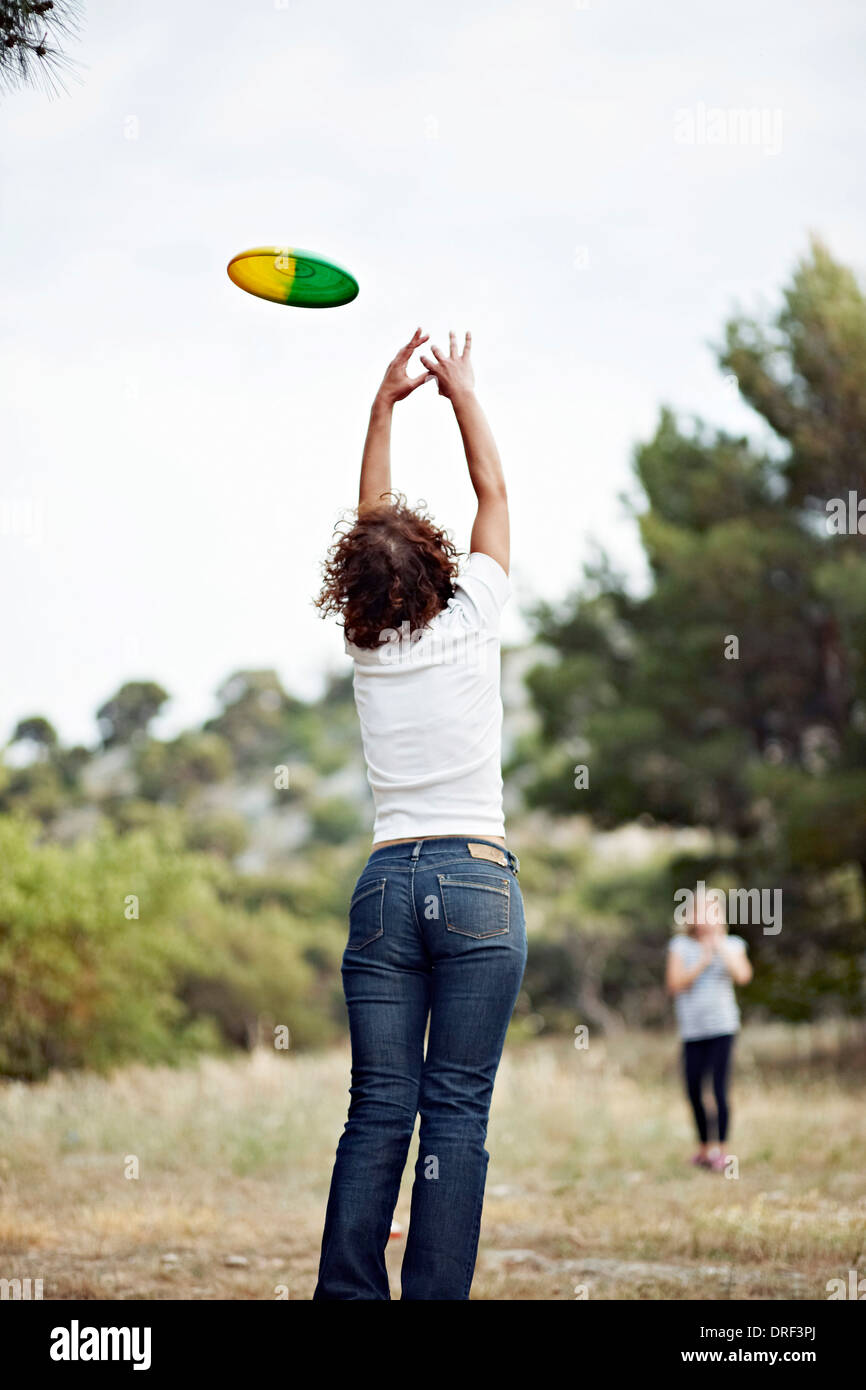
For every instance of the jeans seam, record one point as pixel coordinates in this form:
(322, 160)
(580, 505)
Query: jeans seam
(476, 1235)
(412, 899)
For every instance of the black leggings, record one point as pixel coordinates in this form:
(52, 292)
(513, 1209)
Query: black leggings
(700, 1057)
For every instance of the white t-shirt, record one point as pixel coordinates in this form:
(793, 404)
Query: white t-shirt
(431, 715)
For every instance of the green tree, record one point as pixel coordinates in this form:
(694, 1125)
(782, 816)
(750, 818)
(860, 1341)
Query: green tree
(38, 731)
(334, 821)
(172, 771)
(732, 694)
(265, 726)
(128, 947)
(127, 715)
(218, 832)
(29, 32)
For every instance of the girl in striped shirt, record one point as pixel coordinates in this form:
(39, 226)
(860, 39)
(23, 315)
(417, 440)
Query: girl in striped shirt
(704, 963)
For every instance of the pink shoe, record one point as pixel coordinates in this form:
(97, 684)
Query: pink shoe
(718, 1163)
(699, 1161)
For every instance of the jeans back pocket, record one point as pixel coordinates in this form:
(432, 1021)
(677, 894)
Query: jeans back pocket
(476, 905)
(366, 914)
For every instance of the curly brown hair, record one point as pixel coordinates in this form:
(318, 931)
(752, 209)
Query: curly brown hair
(394, 565)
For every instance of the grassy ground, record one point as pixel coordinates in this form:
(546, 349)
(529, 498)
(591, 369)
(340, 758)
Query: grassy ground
(588, 1190)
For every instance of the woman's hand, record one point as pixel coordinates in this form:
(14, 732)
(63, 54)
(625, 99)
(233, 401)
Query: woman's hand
(376, 461)
(454, 374)
(396, 384)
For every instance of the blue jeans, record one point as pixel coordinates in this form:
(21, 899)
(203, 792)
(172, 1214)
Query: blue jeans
(433, 932)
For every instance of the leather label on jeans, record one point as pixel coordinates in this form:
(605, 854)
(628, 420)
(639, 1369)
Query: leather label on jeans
(496, 856)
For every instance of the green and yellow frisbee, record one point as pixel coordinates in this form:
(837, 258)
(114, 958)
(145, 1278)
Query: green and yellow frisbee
(288, 275)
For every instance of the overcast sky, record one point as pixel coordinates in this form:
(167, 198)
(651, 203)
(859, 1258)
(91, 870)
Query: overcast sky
(176, 453)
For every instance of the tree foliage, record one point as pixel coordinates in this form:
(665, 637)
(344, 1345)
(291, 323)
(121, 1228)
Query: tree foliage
(129, 947)
(732, 694)
(128, 714)
(30, 34)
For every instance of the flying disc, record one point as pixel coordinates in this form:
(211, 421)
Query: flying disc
(289, 276)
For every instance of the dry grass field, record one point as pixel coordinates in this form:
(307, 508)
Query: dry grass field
(588, 1191)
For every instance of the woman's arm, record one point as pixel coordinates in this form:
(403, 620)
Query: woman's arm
(456, 380)
(376, 459)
